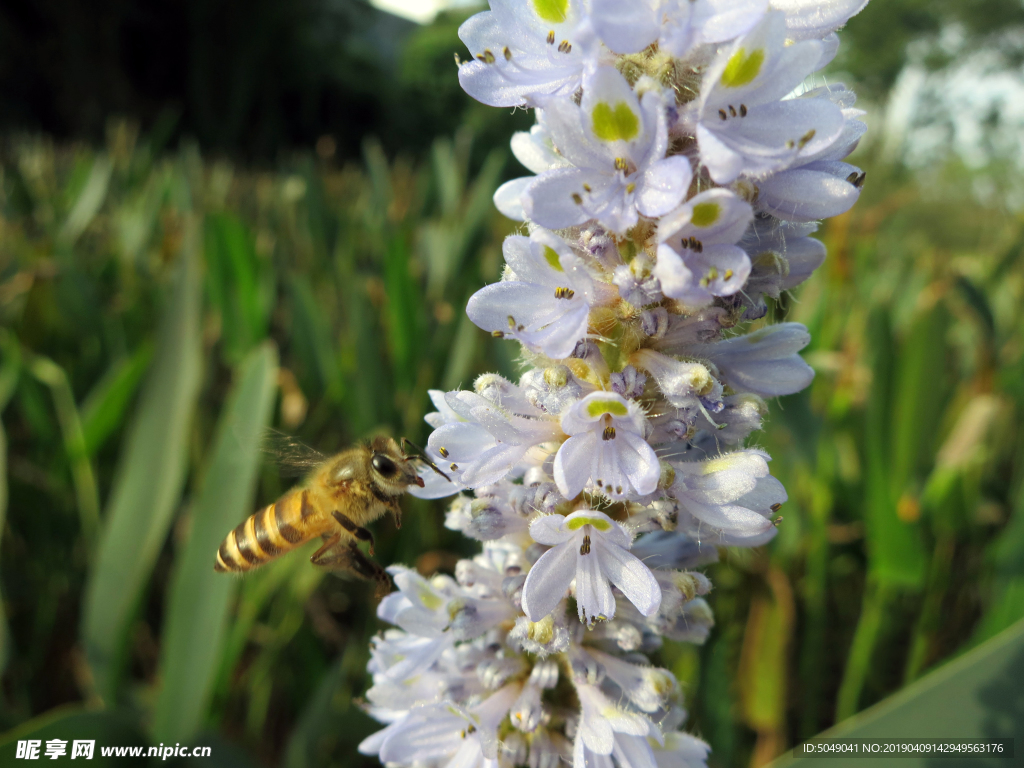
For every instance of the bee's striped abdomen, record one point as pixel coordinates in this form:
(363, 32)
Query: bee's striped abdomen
(274, 530)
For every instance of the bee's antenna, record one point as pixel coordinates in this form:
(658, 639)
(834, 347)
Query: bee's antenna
(423, 457)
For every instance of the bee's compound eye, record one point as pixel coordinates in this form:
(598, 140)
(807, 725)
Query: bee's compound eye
(384, 465)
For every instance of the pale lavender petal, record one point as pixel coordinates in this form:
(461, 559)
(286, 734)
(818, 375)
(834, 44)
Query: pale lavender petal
(573, 463)
(594, 598)
(632, 577)
(548, 580)
(663, 186)
(508, 198)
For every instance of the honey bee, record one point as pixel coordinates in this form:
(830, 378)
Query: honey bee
(340, 496)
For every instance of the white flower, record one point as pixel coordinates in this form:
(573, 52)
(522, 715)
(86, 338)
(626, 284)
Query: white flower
(537, 153)
(782, 255)
(648, 688)
(591, 548)
(489, 443)
(606, 450)
(820, 185)
(616, 145)
(445, 731)
(685, 385)
(713, 491)
(681, 750)
(742, 125)
(543, 301)
(605, 729)
(809, 19)
(629, 26)
(523, 49)
(698, 258)
(765, 362)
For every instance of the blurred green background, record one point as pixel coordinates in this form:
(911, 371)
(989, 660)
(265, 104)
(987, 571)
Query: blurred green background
(279, 224)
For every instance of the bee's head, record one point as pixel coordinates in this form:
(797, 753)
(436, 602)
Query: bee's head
(390, 467)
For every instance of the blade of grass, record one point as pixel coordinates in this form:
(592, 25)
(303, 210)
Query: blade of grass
(200, 598)
(233, 282)
(104, 408)
(896, 554)
(319, 732)
(876, 601)
(815, 590)
(149, 480)
(8, 382)
(86, 493)
(763, 669)
(88, 203)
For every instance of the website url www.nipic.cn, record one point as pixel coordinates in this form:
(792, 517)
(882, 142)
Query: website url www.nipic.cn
(34, 749)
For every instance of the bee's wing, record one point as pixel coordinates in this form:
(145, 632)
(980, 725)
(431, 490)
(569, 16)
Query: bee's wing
(292, 456)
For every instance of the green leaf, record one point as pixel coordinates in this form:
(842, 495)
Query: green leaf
(105, 406)
(896, 554)
(233, 281)
(311, 337)
(918, 398)
(86, 493)
(88, 202)
(200, 599)
(74, 722)
(148, 484)
(5, 634)
(975, 696)
(331, 720)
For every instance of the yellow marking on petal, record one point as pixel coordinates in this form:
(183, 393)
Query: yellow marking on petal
(719, 465)
(430, 601)
(601, 407)
(705, 214)
(742, 68)
(553, 11)
(615, 124)
(598, 522)
(551, 257)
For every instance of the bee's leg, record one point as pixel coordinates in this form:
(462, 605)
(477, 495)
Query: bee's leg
(396, 510)
(356, 530)
(350, 559)
(329, 542)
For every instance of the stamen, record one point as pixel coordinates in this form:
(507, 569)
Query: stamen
(498, 334)
(454, 467)
(577, 199)
(743, 108)
(721, 114)
(565, 46)
(732, 110)
(551, 37)
(620, 164)
(508, 53)
(585, 547)
(608, 434)
(805, 139)
(443, 451)
(486, 57)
